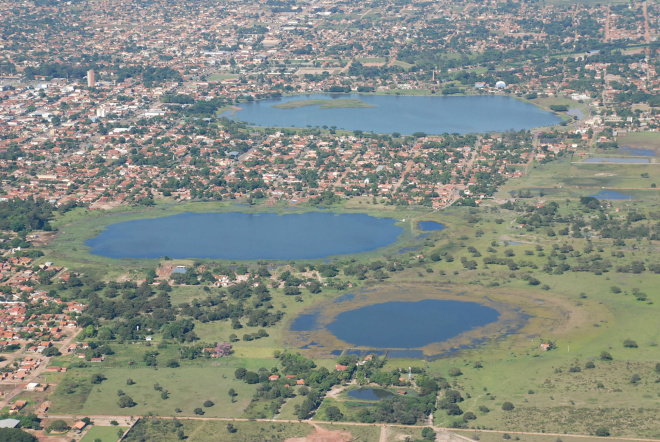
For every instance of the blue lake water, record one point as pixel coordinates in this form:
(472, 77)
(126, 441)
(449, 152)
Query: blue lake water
(407, 325)
(616, 160)
(611, 195)
(236, 235)
(369, 394)
(637, 152)
(428, 226)
(403, 114)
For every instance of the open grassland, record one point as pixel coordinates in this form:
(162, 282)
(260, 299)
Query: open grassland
(213, 431)
(188, 387)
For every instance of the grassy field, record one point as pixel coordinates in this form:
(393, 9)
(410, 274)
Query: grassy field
(220, 77)
(105, 434)
(339, 103)
(213, 431)
(188, 388)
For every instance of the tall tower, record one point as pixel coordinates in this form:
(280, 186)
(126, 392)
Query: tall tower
(90, 78)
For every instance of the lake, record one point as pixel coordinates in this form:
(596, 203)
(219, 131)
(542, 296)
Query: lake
(406, 325)
(403, 114)
(237, 235)
(369, 394)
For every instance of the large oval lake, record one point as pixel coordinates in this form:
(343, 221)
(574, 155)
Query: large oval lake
(238, 235)
(407, 325)
(403, 114)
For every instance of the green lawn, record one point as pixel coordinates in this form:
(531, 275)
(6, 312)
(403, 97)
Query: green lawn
(105, 434)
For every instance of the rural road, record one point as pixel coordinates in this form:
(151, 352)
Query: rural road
(356, 424)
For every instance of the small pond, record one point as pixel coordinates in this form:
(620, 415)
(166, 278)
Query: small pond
(429, 226)
(369, 394)
(237, 235)
(637, 152)
(611, 195)
(408, 325)
(617, 160)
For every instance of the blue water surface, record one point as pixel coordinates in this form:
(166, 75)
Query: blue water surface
(638, 152)
(238, 235)
(611, 195)
(428, 226)
(369, 394)
(403, 114)
(616, 160)
(406, 325)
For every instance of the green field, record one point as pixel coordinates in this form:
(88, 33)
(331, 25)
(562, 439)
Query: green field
(339, 103)
(105, 434)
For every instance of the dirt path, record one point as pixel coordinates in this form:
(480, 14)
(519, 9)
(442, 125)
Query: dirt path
(647, 32)
(607, 24)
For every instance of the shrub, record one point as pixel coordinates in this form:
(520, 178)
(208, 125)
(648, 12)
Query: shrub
(484, 409)
(130, 381)
(198, 411)
(602, 432)
(590, 364)
(605, 356)
(455, 371)
(208, 404)
(629, 343)
(507, 406)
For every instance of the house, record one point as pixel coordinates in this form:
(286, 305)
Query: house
(544, 347)
(273, 377)
(300, 382)
(78, 426)
(402, 392)
(16, 406)
(340, 367)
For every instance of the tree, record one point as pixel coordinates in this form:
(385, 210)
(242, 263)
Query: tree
(469, 416)
(232, 394)
(51, 351)
(605, 356)
(57, 426)
(130, 381)
(126, 402)
(16, 435)
(629, 343)
(454, 410)
(198, 411)
(333, 414)
(97, 378)
(507, 406)
(208, 404)
(240, 373)
(231, 428)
